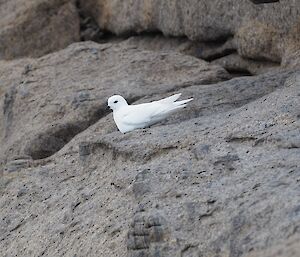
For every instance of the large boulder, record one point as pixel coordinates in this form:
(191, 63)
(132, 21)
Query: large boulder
(262, 32)
(36, 27)
(198, 20)
(47, 101)
(220, 178)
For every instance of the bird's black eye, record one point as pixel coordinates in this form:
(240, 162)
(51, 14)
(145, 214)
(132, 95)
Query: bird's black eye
(115, 101)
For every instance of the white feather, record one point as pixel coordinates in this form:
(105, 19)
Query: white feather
(131, 117)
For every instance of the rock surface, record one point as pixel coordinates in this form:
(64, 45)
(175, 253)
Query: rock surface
(48, 101)
(36, 27)
(262, 32)
(218, 178)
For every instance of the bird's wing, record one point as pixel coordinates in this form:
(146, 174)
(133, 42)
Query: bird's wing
(142, 113)
(169, 99)
(148, 113)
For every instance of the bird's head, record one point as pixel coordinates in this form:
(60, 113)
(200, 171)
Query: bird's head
(115, 102)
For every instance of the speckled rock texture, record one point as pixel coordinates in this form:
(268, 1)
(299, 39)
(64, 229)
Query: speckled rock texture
(262, 32)
(36, 27)
(49, 100)
(219, 178)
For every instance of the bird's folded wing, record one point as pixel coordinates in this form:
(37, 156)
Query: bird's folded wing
(169, 99)
(143, 113)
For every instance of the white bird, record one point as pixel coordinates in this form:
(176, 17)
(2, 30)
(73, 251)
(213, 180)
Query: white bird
(131, 117)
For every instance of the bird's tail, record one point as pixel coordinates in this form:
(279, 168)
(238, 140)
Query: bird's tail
(169, 105)
(183, 102)
(171, 100)
(178, 105)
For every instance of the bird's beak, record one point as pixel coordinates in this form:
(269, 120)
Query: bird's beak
(108, 108)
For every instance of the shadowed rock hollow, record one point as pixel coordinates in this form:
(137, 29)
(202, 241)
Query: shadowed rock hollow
(218, 178)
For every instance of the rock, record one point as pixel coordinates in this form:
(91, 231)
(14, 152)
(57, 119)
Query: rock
(34, 28)
(264, 1)
(221, 53)
(235, 64)
(181, 18)
(18, 164)
(291, 245)
(212, 180)
(218, 178)
(84, 150)
(89, 29)
(8, 103)
(210, 51)
(292, 52)
(41, 115)
(146, 230)
(261, 32)
(259, 42)
(165, 44)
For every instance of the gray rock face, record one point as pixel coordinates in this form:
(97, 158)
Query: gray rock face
(195, 19)
(40, 115)
(262, 32)
(218, 178)
(36, 27)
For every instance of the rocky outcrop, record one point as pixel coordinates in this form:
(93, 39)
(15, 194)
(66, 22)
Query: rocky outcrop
(181, 18)
(218, 178)
(264, 33)
(34, 28)
(40, 115)
(261, 32)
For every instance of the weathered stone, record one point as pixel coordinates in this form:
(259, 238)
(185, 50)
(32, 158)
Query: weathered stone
(34, 28)
(154, 42)
(264, 1)
(235, 64)
(41, 121)
(218, 178)
(17, 165)
(262, 31)
(212, 209)
(259, 42)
